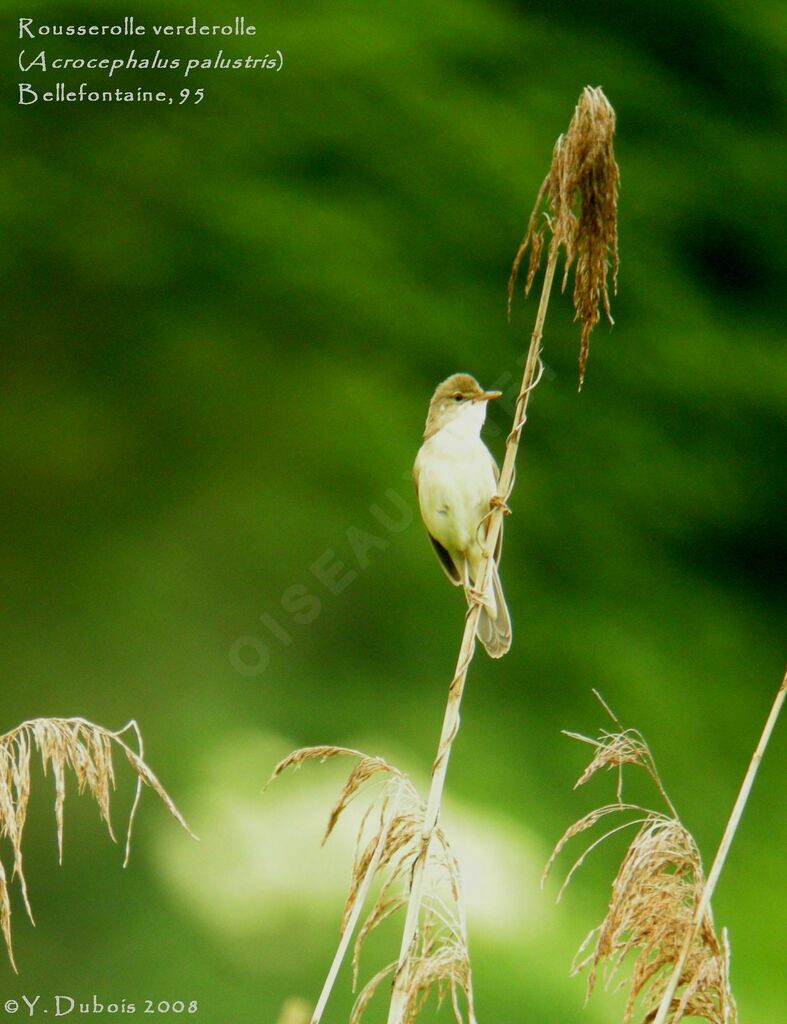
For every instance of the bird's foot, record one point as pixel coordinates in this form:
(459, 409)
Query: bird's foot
(475, 596)
(497, 502)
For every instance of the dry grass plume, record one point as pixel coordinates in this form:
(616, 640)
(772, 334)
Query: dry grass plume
(387, 847)
(655, 895)
(64, 745)
(577, 205)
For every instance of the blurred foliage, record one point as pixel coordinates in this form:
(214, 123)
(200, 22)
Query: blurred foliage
(223, 324)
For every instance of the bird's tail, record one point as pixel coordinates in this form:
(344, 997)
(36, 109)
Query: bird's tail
(494, 623)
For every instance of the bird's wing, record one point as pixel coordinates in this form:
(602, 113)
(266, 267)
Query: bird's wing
(443, 556)
(446, 561)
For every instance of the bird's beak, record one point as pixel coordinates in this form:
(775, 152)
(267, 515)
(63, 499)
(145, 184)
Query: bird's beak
(487, 396)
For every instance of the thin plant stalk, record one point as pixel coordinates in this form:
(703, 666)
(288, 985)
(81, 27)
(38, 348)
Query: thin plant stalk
(580, 192)
(721, 854)
(352, 920)
(467, 650)
(443, 963)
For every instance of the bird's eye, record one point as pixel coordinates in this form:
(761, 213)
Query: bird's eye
(458, 396)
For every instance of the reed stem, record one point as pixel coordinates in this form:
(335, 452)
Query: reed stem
(721, 854)
(451, 718)
(355, 913)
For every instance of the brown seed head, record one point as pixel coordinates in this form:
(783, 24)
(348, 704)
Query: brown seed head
(65, 745)
(653, 901)
(578, 204)
(388, 845)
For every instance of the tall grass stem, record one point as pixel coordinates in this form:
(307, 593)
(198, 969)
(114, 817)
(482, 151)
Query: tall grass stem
(721, 854)
(451, 718)
(355, 913)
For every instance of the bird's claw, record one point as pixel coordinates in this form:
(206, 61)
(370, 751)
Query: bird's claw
(496, 502)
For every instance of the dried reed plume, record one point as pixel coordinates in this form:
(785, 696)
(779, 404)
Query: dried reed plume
(387, 847)
(583, 172)
(63, 744)
(703, 904)
(659, 916)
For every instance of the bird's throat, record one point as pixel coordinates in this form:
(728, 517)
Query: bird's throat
(466, 424)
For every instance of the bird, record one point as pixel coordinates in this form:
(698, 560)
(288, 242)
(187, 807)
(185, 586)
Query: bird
(456, 481)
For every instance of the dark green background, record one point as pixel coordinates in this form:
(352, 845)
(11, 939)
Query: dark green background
(222, 325)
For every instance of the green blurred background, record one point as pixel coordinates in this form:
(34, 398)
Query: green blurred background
(222, 326)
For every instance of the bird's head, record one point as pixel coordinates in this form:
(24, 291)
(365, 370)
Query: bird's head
(458, 400)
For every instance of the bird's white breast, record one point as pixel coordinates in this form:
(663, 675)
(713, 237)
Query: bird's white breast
(456, 479)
